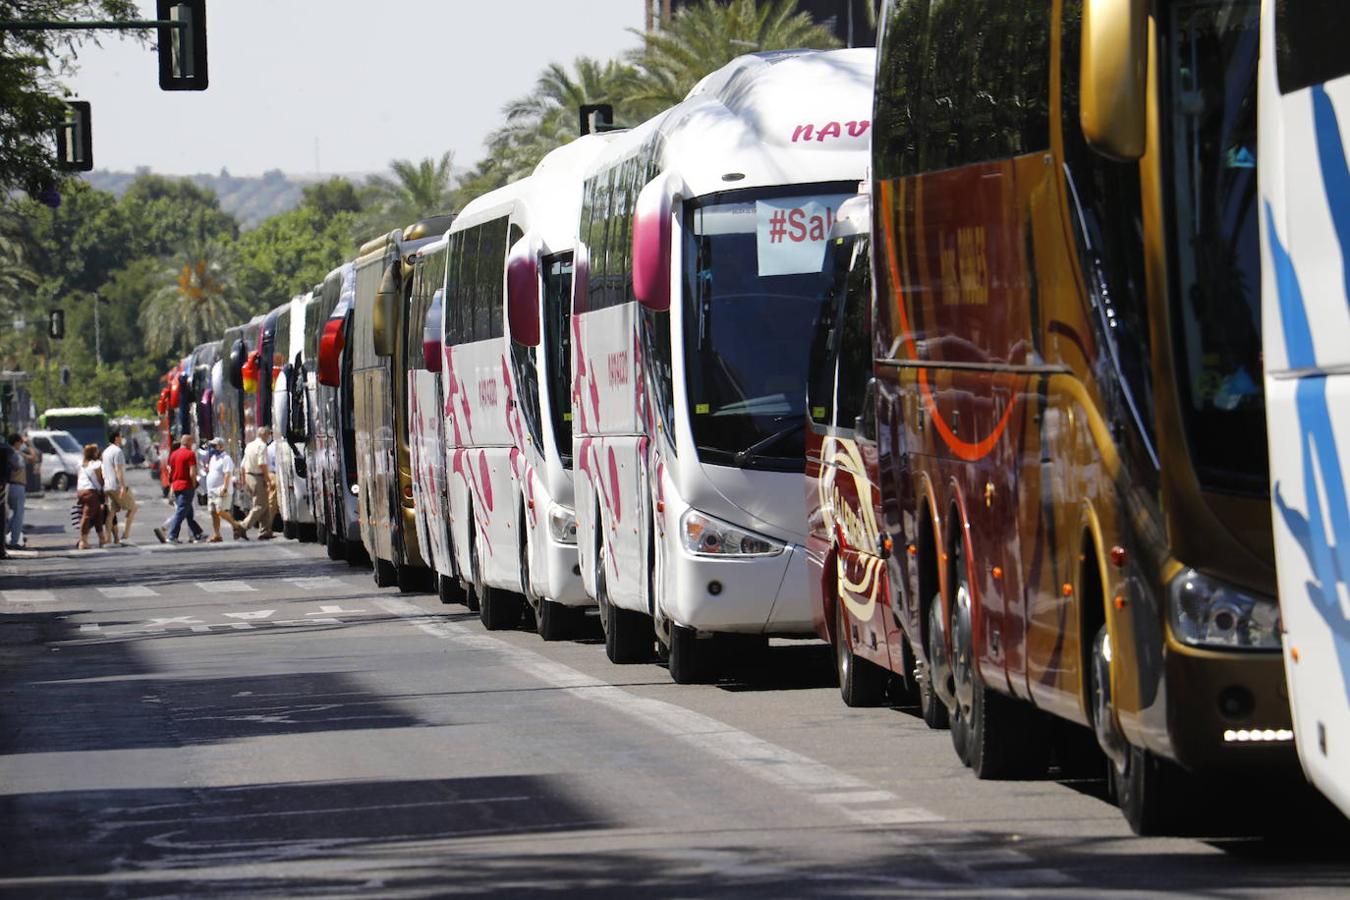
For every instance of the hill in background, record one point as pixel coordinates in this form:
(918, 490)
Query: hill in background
(250, 199)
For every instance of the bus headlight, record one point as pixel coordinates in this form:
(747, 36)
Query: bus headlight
(705, 536)
(1209, 613)
(562, 524)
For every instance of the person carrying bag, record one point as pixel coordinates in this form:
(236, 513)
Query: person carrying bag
(89, 496)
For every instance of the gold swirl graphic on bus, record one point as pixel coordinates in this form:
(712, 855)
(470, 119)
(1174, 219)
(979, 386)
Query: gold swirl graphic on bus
(852, 522)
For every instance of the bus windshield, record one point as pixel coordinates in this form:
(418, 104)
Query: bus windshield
(1211, 79)
(754, 282)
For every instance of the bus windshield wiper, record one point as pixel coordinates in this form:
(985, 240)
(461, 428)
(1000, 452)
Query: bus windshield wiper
(768, 441)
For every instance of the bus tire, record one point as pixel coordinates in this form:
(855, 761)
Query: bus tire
(321, 532)
(499, 610)
(384, 572)
(861, 682)
(690, 660)
(290, 531)
(334, 545)
(629, 636)
(935, 713)
(412, 579)
(963, 666)
(556, 622)
(449, 590)
(1009, 738)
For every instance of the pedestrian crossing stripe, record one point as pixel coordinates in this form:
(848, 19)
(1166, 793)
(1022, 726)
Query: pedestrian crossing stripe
(29, 596)
(226, 587)
(127, 591)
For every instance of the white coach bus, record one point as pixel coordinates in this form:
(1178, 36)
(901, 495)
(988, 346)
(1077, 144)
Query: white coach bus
(291, 416)
(690, 335)
(539, 305)
(1304, 104)
(426, 417)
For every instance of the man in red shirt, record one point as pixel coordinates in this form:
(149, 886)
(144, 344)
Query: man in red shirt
(183, 483)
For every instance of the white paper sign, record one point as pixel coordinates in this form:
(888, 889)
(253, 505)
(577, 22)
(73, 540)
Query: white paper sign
(790, 233)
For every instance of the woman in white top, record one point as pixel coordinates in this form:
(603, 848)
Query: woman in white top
(89, 496)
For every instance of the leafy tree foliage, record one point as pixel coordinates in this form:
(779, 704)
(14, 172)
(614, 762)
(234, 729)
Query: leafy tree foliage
(290, 253)
(31, 66)
(197, 298)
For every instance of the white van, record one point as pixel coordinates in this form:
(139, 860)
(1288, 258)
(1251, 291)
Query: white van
(61, 457)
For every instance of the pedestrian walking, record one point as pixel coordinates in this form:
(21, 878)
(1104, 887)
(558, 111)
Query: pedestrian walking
(89, 496)
(183, 483)
(21, 456)
(219, 480)
(256, 472)
(115, 488)
(273, 507)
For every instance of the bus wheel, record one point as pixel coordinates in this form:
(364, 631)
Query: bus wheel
(935, 714)
(498, 610)
(385, 573)
(963, 671)
(356, 553)
(449, 590)
(861, 683)
(629, 636)
(290, 530)
(412, 579)
(557, 622)
(333, 544)
(690, 658)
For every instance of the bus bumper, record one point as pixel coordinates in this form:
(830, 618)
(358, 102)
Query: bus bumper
(749, 595)
(1228, 711)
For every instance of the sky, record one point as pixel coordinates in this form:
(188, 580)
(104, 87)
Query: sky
(353, 83)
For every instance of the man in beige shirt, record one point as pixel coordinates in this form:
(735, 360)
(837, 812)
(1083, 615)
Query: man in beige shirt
(256, 477)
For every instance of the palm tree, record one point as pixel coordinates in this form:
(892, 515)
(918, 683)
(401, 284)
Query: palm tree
(197, 301)
(703, 38)
(415, 190)
(547, 118)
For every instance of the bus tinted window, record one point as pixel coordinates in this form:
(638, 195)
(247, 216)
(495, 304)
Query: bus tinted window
(1312, 42)
(1106, 209)
(960, 82)
(1210, 73)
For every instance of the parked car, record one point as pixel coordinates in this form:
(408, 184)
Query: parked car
(61, 457)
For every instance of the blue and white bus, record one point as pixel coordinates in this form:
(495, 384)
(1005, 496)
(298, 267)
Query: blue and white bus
(1304, 109)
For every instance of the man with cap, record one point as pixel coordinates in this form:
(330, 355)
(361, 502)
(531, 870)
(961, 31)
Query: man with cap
(219, 481)
(256, 477)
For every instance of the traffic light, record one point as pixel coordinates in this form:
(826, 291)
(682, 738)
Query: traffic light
(56, 324)
(75, 139)
(182, 50)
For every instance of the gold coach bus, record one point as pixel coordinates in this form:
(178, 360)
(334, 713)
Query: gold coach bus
(384, 273)
(1068, 384)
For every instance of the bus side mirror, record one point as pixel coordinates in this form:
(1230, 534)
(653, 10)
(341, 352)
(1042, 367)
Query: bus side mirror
(651, 247)
(331, 344)
(1112, 105)
(234, 368)
(522, 291)
(384, 316)
(432, 345)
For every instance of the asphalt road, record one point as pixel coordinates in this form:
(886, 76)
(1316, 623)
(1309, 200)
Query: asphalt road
(252, 719)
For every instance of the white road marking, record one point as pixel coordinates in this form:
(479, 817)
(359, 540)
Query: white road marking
(90, 626)
(328, 610)
(29, 596)
(322, 582)
(760, 758)
(226, 587)
(126, 591)
(161, 624)
(254, 614)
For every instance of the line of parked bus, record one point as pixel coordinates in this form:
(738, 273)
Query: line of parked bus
(962, 375)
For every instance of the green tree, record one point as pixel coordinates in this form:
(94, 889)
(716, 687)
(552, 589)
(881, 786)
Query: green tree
(196, 301)
(290, 253)
(164, 212)
(703, 37)
(31, 66)
(413, 190)
(547, 118)
(328, 198)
